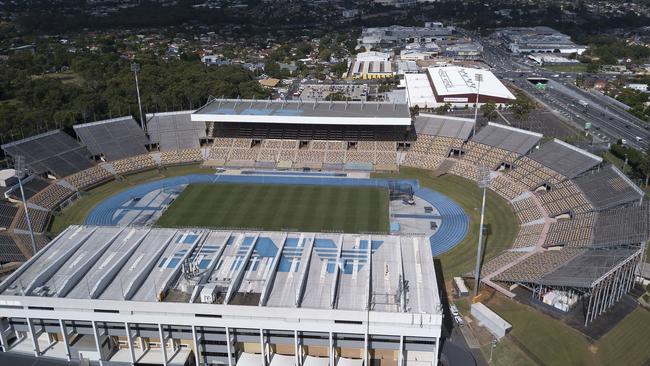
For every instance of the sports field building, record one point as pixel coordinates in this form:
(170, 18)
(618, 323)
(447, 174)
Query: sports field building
(120, 290)
(169, 296)
(455, 85)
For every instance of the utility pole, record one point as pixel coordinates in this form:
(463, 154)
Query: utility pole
(19, 166)
(483, 183)
(135, 67)
(478, 78)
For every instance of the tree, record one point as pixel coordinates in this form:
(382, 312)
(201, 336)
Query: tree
(443, 109)
(521, 107)
(489, 110)
(337, 97)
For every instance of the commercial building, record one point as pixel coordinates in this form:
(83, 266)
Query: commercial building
(455, 85)
(399, 35)
(538, 40)
(198, 296)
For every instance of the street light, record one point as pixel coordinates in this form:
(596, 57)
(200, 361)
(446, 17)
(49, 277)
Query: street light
(478, 78)
(135, 67)
(19, 166)
(483, 183)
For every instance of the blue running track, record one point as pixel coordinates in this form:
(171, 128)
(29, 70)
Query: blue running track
(452, 230)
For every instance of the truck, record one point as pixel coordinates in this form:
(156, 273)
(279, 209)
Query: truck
(583, 103)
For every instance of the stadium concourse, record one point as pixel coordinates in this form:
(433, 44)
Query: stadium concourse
(583, 225)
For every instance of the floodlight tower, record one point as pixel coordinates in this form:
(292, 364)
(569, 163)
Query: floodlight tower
(483, 183)
(478, 77)
(19, 166)
(135, 67)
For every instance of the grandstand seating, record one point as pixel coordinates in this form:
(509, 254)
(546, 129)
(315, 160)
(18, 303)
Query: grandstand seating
(89, 177)
(528, 236)
(533, 174)
(54, 152)
(51, 196)
(564, 197)
(38, 218)
(133, 164)
(7, 213)
(175, 131)
(534, 267)
(465, 170)
(498, 262)
(116, 138)
(9, 250)
(506, 187)
(573, 232)
(184, 156)
(526, 210)
(31, 187)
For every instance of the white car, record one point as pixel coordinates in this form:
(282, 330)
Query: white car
(453, 309)
(459, 320)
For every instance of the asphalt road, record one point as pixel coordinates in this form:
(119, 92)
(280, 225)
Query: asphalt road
(609, 121)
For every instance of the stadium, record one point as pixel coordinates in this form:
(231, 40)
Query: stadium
(255, 232)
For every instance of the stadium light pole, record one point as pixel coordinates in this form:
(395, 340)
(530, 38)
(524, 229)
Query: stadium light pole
(135, 67)
(20, 168)
(478, 78)
(483, 183)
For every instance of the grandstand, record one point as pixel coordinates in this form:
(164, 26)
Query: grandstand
(53, 152)
(608, 187)
(565, 159)
(175, 131)
(114, 139)
(507, 138)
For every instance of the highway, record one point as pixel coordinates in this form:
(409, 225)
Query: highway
(609, 121)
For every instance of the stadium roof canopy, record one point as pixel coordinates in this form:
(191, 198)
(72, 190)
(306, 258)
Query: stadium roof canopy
(587, 268)
(116, 138)
(608, 187)
(444, 126)
(622, 226)
(54, 152)
(302, 112)
(275, 269)
(175, 130)
(564, 158)
(507, 138)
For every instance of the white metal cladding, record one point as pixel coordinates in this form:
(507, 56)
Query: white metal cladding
(304, 281)
(370, 121)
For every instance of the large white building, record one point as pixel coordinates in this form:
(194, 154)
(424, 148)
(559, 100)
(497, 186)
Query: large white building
(538, 40)
(455, 85)
(197, 296)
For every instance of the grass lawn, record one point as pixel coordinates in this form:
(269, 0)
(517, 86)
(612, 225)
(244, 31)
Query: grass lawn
(540, 337)
(280, 207)
(501, 223)
(567, 68)
(76, 213)
(66, 77)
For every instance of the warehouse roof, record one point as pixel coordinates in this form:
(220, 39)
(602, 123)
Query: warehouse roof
(279, 269)
(302, 112)
(456, 80)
